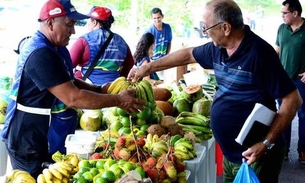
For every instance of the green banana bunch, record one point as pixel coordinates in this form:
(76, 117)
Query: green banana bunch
(184, 149)
(190, 118)
(159, 148)
(174, 139)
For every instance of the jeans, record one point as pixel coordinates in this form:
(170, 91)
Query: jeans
(301, 115)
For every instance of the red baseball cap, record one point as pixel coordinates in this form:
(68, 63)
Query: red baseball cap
(57, 8)
(100, 13)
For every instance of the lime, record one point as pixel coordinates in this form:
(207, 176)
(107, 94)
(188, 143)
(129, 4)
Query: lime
(113, 111)
(83, 170)
(88, 176)
(108, 163)
(141, 171)
(116, 125)
(145, 113)
(77, 175)
(92, 163)
(129, 165)
(140, 122)
(125, 121)
(100, 164)
(94, 171)
(140, 133)
(144, 127)
(84, 163)
(116, 170)
(110, 176)
(122, 112)
(81, 180)
(101, 180)
(125, 130)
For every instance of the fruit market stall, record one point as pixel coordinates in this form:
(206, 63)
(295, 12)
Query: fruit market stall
(170, 140)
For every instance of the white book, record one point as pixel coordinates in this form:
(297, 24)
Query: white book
(256, 126)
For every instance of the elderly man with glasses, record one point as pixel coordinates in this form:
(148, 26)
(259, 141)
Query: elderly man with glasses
(248, 71)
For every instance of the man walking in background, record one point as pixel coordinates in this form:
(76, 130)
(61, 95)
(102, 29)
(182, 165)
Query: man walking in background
(290, 45)
(163, 36)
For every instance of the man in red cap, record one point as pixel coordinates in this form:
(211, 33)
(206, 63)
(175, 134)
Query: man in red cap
(116, 60)
(44, 84)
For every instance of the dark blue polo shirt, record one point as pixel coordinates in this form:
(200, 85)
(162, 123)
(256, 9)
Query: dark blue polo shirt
(253, 74)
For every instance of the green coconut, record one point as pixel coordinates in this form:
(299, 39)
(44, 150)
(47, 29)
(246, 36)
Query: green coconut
(202, 106)
(192, 93)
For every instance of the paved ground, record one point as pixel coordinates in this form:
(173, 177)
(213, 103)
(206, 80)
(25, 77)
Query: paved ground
(293, 171)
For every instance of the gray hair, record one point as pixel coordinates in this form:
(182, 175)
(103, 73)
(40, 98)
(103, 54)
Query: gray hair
(227, 11)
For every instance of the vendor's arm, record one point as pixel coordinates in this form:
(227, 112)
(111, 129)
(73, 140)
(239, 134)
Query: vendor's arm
(177, 58)
(72, 96)
(290, 104)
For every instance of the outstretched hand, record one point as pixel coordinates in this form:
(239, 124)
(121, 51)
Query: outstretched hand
(137, 74)
(129, 103)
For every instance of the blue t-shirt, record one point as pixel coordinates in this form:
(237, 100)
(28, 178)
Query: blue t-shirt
(253, 74)
(162, 39)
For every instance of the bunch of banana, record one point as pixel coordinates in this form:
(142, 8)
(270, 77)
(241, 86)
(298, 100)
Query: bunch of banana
(159, 148)
(57, 172)
(184, 149)
(195, 123)
(150, 141)
(69, 158)
(17, 176)
(118, 85)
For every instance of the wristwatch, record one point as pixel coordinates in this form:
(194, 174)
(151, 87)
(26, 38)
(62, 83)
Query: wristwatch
(268, 144)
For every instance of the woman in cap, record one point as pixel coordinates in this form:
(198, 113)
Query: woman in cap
(116, 60)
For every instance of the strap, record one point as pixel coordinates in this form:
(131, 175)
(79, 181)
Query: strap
(98, 56)
(33, 110)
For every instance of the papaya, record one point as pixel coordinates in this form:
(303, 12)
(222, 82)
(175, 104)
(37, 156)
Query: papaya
(162, 93)
(202, 106)
(192, 93)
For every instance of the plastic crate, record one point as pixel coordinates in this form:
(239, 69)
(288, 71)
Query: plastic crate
(81, 144)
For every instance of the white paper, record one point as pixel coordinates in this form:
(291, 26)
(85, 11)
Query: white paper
(259, 113)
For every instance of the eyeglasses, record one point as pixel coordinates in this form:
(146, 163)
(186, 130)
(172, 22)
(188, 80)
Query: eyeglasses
(205, 29)
(285, 12)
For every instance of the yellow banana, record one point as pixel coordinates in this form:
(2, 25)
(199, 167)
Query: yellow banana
(180, 148)
(114, 83)
(56, 180)
(187, 145)
(163, 147)
(184, 156)
(62, 170)
(41, 178)
(65, 180)
(67, 166)
(125, 86)
(155, 138)
(55, 172)
(47, 174)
